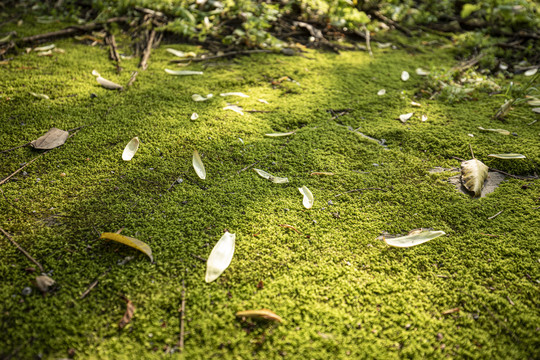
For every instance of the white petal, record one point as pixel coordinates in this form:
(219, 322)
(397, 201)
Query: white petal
(235, 108)
(421, 72)
(404, 76)
(280, 134)
(308, 197)
(503, 66)
(381, 92)
(500, 131)
(95, 73)
(235, 94)
(508, 156)
(44, 48)
(405, 117)
(272, 178)
(415, 237)
(197, 97)
(530, 72)
(176, 52)
(220, 258)
(108, 84)
(130, 149)
(424, 117)
(194, 116)
(263, 101)
(414, 103)
(183, 72)
(198, 165)
(534, 102)
(39, 96)
(536, 110)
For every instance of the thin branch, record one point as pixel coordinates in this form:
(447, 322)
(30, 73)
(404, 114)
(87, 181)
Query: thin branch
(199, 257)
(368, 43)
(132, 78)
(391, 22)
(22, 167)
(16, 147)
(494, 216)
(228, 54)
(182, 317)
(22, 250)
(147, 50)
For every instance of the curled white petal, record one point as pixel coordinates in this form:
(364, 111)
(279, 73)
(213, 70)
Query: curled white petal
(130, 149)
(404, 76)
(308, 197)
(381, 92)
(235, 108)
(235, 94)
(198, 165)
(220, 258)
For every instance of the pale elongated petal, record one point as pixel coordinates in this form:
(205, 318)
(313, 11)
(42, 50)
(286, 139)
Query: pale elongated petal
(404, 76)
(45, 48)
(500, 131)
(404, 117)
(508, 156)
(473, 174)
(421, 72)
(259, 314)
(308, 197)
(198, 165)
(415, 237)
(176, 52)
(280, 134)
(235, 94)
(52, 138)
(108, 84)
(183, 72)
(381, 92)
(130, 149)
(270, 177)
(235, 108)
(95, 73)
(263, 101)
(534, 102)
(129, 241)
(197, 97)
(40, 96)
(220, 258)
(530, 72)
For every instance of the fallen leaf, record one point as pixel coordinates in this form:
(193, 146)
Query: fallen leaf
(43, 283)
(197, 97)
(503, 110)
(129, 241)
(421, 72)
(414, 103)
(235, 108)
(280, 134)
(40, 96)
(384, 45)
(508, 156)
(194, 116)
(263, 101)
(404, 117)
(183, 72)
(220, 258)
(500, 131)
(272, 178)
(404, 76)
(308, 197)
(530, 72)
(322, 173)
(473, 174)
(259, 314)
(107, 84)
(52, 138)
(128, 315)
(235, 94)
(503, 66)
(130, 149)
(493, 181)
(45, 48)
(176, 52)
(424, 117)
(198, 165)
(381, 92)
(58, 50)
(536, 110)
(413, 238)
(534, 102)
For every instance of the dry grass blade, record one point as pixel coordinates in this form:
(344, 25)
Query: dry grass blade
(129, 241)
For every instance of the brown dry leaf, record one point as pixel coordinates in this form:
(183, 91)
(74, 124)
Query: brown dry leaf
(52, 138)
(43, 283)
(130, 310)
(129, 241)
(493, 181)
(450, 311)
(473, 174)
(259, 314)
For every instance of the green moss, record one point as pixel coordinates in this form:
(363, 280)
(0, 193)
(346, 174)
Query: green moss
(342, 292)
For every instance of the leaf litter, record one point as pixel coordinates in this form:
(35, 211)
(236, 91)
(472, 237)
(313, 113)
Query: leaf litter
(128, 315)
(413, 238)
(197, 97)
(308, 197)
(183, 72)
(129, 241)
(220, 257)
(52, 139)
(235, 108)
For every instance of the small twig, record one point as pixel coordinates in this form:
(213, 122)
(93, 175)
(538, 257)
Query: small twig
(532, 122)
(355, 190)
(494, 216)
(147, 50)
(290, 227)
(22, 167)
(16, 207)
(390, 22)
(113, 51)
(199, 258)
(228, 54)
(16, 147)
(22, 250)
(450, 311)
(182, 317)
(92, 285)
(132, 78)
(470, 147)
(258, 111)
(368, 43)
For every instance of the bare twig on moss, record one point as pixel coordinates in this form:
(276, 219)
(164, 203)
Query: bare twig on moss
(391, 22)
(22, 167)
(182, 317)
(147, 50)
(16, 147)
(368, 43)
(22, 250)
(494, 216)
(113, 51)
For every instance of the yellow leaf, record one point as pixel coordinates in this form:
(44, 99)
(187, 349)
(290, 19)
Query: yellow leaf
(473, 174)
(259, 314)
(129, 241)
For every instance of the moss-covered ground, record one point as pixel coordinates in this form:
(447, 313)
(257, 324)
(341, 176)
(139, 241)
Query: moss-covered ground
(342, 292)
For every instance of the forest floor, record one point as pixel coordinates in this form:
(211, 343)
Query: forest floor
(341, 291)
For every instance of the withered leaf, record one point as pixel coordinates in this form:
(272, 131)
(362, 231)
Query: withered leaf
(52, 138)
(260, 314)
(129, 241)
(128, 315)
(473, 174)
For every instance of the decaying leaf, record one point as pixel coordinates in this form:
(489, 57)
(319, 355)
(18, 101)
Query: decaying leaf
(176, 52)
(280, 134)
(52, 138)
(130, 149)
(235, 94)
(45, 48)
(183, 72)
(500, 131)
(270, 177)
(194, 116)
(198, 165)
(536, 110)
(530, 72)
(473, 174)
(413, 238)
(421, 72)
(308, 197)
(107, 84)
(508, 156)
(263, 101)
(43, 283)
(493, 181)
(40, 96)
(221, 256)
(404, 117)
(381, 92)
(197, 97)
(235, 108)
(424, 117)
(534, 102)
(128, 315)
(404, 76)
(264, 314)
(129, 241)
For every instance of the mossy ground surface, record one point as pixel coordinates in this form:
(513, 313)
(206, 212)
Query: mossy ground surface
(341, 292)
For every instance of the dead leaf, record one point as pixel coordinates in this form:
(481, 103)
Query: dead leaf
(473, 174)
(450, 311)
(280, 134)
(107, 84)
(404, 117)
(52, 138)
(270, 177)
(500, 131)
(45, 48)
(183, 72)
(413, 238)
(176, 52)
(43, 283)
(308, 197)
(39, 96)
(128, 315)
(129, 241)
(197, 97)
(414, 103)
(508, 156)
(259, 314)
(235, 108)
(45, 53)
(493, 181)
(198, 165)
(421, 72)
(221, 256)
(321, 173)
